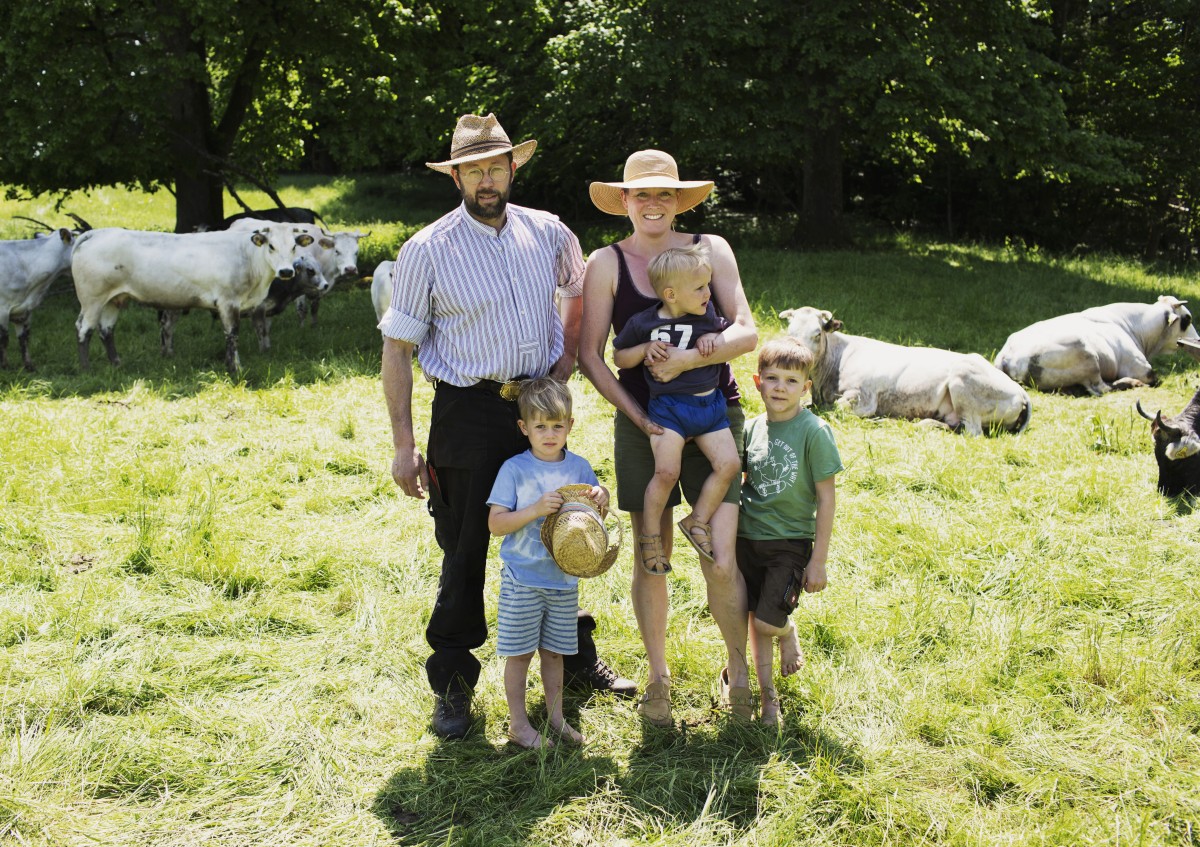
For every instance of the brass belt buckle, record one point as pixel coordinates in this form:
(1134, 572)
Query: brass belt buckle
(510, 390)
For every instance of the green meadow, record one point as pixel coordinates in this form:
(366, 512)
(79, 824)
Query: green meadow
(213, 597)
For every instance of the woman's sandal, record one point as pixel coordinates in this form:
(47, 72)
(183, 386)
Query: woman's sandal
(737, 700)
(655, 705)
(699, 535)
(654, 560)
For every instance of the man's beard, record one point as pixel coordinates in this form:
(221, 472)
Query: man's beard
(487, 212)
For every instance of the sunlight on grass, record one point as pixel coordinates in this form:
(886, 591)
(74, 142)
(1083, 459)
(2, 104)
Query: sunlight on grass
(213, 600)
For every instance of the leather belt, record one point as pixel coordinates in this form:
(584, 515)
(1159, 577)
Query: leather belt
(509, 390)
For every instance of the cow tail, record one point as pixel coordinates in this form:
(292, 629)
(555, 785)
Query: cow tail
(1023, 418)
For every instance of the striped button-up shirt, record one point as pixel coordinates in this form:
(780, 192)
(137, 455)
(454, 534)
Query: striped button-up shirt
(480, 304)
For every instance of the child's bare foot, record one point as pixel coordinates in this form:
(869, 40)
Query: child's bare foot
(527, 737)
(768, 715)
(791, 658)
(567, 733)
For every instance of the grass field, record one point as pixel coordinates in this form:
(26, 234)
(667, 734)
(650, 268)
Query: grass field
(212, 601)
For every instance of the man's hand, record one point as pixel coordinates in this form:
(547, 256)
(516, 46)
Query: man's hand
(410, 473)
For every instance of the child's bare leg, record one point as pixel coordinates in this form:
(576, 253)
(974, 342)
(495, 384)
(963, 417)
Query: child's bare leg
(516, 672)
(552, 683)
(721, 451)
(791, 658)
(668, 448)
(763, 652)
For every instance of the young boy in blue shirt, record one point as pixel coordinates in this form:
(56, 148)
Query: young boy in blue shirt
(538, 601)
(788, 502)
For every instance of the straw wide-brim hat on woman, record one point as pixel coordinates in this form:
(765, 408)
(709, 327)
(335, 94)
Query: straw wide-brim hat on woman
(649, 169)
(477, 138)
(576, 537)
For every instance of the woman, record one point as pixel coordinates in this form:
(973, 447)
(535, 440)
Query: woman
(616, 286)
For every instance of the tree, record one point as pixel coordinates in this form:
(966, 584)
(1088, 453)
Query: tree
(161, 93)
(776, 97)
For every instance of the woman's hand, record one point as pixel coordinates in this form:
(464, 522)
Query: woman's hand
(676, 362)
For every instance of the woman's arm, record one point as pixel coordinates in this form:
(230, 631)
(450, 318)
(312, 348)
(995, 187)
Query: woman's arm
(599, 291)
(741, 336)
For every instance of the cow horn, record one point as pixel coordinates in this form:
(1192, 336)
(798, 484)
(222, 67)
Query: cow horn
(1142, 411)
(84, 226)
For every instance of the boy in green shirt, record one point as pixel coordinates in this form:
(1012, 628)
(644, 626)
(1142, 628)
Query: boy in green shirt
(787, 510)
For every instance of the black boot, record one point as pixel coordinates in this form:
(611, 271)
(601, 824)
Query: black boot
(452, 676)
(586, 671)
(452, 714)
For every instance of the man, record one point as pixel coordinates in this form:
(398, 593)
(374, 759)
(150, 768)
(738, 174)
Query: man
(475, 293)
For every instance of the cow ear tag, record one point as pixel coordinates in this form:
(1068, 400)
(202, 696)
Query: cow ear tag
(259, 239)
(304, 240)
(327, 243)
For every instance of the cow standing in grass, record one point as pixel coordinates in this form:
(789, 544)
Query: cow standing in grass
(223, 272)
(27, 268)
(871, 377)
(381, 288)
(1098, 349)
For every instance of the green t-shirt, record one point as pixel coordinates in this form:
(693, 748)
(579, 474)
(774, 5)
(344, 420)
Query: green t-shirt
(784, 462)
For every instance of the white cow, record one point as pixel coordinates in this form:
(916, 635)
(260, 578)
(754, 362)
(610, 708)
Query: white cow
(871, 377)
(27, 267)
(1100, 349)
(223, 272)
(381, 288)
(337, 253)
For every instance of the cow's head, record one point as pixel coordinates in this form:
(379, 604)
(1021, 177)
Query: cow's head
(1175, 438)
(1177, 319)
(279, 245)
(344, 249)
(810, 327)
(309, 280)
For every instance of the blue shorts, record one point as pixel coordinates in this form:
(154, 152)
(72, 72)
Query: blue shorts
(688, 414)
(529, 618)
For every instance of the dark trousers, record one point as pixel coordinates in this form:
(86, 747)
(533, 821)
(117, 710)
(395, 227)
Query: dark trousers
(472, 432)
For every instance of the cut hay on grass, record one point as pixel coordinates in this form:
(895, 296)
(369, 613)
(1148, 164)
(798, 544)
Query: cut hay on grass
(213, 597)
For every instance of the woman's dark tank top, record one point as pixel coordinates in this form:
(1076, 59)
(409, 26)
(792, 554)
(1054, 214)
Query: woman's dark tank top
(627, 303)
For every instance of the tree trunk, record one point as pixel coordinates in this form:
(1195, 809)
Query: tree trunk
(199, 202)
(821, 223)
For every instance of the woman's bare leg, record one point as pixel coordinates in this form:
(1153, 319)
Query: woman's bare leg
(727, 593)
(649, 594)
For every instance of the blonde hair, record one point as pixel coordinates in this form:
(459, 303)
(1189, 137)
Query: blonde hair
(787, 353)
(544, 398)
(673, 263)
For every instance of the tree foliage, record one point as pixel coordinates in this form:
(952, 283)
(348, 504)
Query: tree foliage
(1059, 121)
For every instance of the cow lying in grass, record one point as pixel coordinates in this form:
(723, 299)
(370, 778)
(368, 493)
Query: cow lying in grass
(870, 377)
(1098, 349)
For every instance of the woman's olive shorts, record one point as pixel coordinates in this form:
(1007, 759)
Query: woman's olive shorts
(634, 463)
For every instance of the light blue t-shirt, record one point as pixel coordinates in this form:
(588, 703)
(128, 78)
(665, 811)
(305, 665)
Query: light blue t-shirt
(522, 481)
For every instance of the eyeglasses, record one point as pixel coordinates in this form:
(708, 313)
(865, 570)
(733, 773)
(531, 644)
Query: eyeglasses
(498, 173)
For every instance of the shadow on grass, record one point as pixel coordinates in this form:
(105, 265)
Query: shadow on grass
(680, 775)
(470, 792)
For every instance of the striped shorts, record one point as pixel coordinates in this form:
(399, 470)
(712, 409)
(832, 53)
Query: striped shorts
(529, 618)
